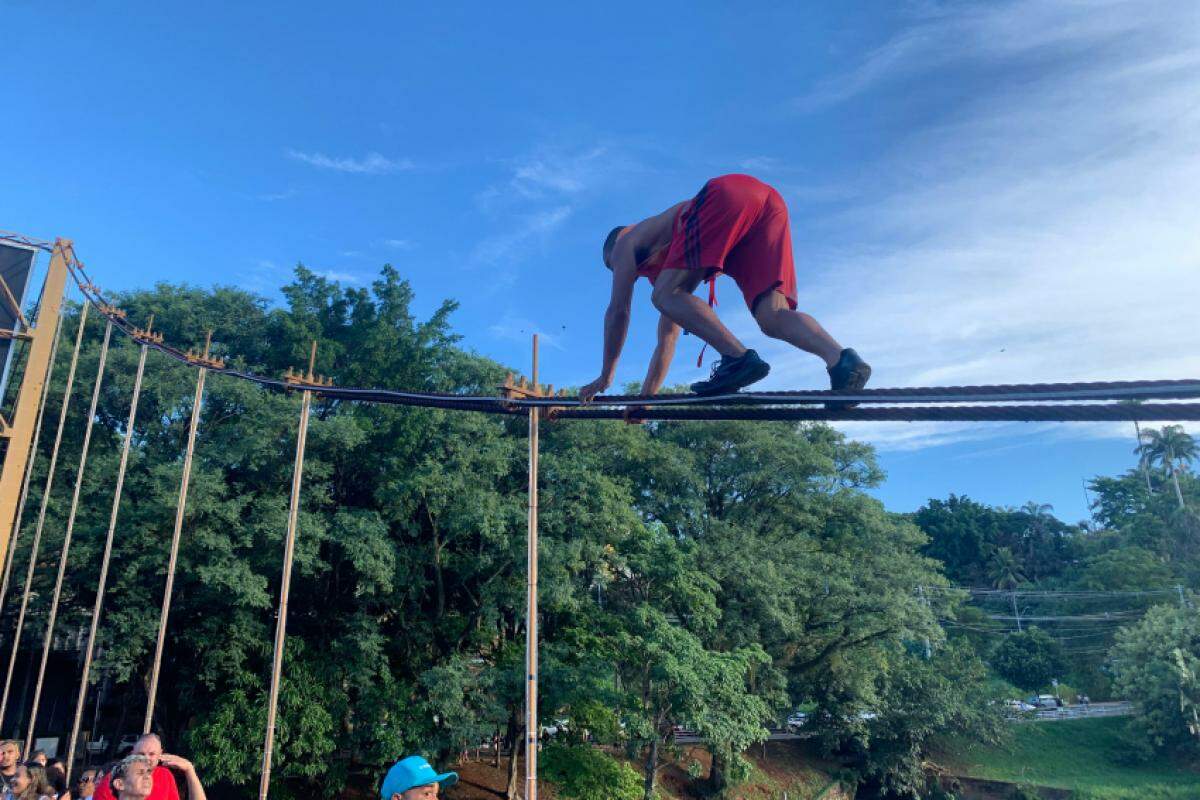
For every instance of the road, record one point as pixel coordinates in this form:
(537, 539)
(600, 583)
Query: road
(1120, 708)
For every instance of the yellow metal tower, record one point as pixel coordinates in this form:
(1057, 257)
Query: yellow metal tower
(19, 430)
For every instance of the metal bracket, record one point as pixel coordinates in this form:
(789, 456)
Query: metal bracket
(522, 389)
(147, 335)
(307, 380)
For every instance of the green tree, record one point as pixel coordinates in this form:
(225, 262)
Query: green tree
(1004, 570)
(1171, 447)
(1155, 662)
(1029, 659)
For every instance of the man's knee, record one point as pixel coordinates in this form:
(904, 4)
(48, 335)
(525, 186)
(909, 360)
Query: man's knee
(773, 321)
(661, 295)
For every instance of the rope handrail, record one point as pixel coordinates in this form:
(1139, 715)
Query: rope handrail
(1082, 401)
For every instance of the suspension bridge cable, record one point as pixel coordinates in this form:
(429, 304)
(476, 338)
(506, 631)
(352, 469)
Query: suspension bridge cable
(41, 520)
(102, 581)
(289, 550)
(66, 547)
(180, 507)
(768, 405)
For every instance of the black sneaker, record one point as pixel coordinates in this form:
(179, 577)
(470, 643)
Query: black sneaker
(849, 374)
(731, 374)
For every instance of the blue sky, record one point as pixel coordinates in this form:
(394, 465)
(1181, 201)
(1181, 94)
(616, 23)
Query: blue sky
(990, 192)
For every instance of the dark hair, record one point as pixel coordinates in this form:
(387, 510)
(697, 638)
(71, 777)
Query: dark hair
(57, 779)
(610, 241)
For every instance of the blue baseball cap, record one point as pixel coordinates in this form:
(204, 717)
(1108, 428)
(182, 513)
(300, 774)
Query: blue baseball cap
(409, 773)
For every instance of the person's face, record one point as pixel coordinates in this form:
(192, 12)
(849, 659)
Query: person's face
(138, 781)
(151, 748)
(8, 757)
(40, 758)
(87, 783)
(20, 781)
(422, 792)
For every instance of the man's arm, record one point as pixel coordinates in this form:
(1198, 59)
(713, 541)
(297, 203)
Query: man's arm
(194, 788)
(616, 318)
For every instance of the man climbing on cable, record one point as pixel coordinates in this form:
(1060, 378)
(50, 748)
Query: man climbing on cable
(736, 225)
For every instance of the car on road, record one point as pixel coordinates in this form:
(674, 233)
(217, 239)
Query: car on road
(796, 721)
(1046, 701)
(1020, 706)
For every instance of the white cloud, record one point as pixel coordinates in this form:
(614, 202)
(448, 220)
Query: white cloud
(340, 277)
(398, 244)
(272, 197)
(370, 164)
(1043, 230)
(527, 230)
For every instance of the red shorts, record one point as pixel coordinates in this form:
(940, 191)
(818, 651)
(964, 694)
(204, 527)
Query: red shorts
(737, 225)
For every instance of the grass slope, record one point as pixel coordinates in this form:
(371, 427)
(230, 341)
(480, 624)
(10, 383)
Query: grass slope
(1083, 755)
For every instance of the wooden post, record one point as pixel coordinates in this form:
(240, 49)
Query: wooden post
(66, 547)
(288, 553)
(41, 520)
(531, 615)
(20, 433)
(180, 507)
(33, 448)
(105, 561)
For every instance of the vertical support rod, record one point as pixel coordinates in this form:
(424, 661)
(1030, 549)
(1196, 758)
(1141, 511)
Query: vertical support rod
(41, 520)
(180, 508)
(102, 583)
(21, 434)
(281, 624)
(66, 547)
(37, 437)
(1016, 611)
(531, 592)
(925, 600)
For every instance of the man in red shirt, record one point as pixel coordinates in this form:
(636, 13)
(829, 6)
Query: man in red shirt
(164, 787)
(736, 225)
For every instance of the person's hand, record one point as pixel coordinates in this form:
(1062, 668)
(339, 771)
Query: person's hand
(594, 388)
(632, 415)
(176, 762)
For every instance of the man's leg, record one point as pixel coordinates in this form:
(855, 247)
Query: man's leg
(777, 320)
(673, 297)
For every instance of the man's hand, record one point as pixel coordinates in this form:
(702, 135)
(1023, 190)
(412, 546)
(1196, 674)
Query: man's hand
(177, 762)
(594, 388)
(632, 415)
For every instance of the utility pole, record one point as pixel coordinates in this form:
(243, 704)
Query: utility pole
(925, 600)
(1182, 598)
(1016, 611)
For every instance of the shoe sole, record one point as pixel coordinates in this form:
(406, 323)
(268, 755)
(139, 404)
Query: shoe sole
(761, 371)
(858, 379)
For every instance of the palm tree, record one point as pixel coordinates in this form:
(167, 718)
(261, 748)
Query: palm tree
(1170, 447)
(1035, 532)
(1137, 430)
(1003, 570)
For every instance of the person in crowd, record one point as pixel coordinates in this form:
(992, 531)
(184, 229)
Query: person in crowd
(161, 764)
(56, 776)
(10, 756)
(133, 778)
(84, 787)
(39, 757)
(29, 783)
(413, 778)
